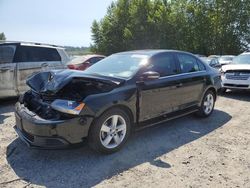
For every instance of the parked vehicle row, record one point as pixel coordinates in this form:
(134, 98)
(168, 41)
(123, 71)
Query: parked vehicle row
(84, 62)
(237, 74)
(217, 61)
(122, 92)
(211, 62)
(226, 59)
(235, 70)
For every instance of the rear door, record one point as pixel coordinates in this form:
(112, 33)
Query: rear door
(33, 59)
(7, 71)
(192, 79)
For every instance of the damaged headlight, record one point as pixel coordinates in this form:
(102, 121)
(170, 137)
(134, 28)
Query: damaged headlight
(66, 106)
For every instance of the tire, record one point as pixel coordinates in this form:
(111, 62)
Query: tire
(207, 105)
(104, 137)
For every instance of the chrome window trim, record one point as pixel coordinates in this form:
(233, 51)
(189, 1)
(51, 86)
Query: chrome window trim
(181, 74)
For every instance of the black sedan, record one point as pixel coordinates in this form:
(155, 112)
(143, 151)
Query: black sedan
(121, 93)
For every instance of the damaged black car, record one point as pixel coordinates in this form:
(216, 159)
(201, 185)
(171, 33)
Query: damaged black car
(123, 92)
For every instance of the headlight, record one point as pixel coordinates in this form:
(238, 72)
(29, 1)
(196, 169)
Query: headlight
(69, 107)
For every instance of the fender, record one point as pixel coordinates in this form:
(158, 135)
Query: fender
(124, 97)
(210, 87)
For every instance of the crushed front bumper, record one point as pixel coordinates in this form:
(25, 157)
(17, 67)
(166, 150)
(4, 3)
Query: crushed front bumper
(50, 134)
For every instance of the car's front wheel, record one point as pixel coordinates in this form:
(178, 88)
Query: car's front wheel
(110, 131)
(207, 105)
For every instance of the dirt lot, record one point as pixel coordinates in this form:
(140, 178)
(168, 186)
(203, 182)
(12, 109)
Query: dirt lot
(187, 152)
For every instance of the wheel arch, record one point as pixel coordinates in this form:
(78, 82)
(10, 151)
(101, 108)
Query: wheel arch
(125, 108)
(210, 88)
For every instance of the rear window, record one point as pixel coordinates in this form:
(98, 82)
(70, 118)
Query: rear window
(95, 60)
(7, 54)
(36, 54)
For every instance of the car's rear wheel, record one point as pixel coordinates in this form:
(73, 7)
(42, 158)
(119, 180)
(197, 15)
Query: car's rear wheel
(110, 131)
(207, 105)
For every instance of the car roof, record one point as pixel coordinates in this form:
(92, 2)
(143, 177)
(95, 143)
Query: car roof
(34, 44)
(150, 52)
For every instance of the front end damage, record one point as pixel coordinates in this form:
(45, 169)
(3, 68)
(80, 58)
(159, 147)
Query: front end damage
(53, 114)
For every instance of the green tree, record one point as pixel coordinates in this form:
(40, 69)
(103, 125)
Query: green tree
(199, 26)
(2, 36)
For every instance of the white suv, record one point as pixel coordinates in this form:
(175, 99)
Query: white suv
(18, 60)
(237, 74)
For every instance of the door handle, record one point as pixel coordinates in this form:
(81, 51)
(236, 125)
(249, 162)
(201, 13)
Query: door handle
(179, 85)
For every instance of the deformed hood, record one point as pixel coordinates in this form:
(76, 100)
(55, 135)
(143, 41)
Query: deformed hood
(50, 82)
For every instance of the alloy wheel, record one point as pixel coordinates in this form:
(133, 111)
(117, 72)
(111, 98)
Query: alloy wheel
(113, 131)
(208, 103)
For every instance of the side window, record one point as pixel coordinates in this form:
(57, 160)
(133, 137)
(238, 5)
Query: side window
(201, 66)
(163, 64)
(7, 54)
(188, 63)
(36, 54)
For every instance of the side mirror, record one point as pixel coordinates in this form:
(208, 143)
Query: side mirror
(150, 75)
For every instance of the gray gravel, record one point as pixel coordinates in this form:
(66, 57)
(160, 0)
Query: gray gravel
(186, 152)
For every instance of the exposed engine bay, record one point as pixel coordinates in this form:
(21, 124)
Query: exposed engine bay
(47, 87)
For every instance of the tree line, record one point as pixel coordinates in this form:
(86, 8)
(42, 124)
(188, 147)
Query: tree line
(198, 26)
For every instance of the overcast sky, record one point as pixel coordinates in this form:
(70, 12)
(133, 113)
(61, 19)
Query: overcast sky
(61, 22)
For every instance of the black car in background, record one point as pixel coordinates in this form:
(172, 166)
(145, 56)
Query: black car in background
(125, 91)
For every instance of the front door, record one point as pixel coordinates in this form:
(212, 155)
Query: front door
(7, 71)
(159, 97)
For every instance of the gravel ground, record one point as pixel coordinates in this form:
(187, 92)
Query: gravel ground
(186, 152)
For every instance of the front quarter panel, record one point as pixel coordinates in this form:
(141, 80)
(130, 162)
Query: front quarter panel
(124, 96)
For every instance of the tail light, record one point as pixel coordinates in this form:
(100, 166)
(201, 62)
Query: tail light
(79, 66)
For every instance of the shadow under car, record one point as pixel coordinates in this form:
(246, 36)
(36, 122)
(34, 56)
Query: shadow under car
(82, 167)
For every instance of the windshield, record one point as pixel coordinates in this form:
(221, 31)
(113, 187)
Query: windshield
(242, 59)
(119, 65)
